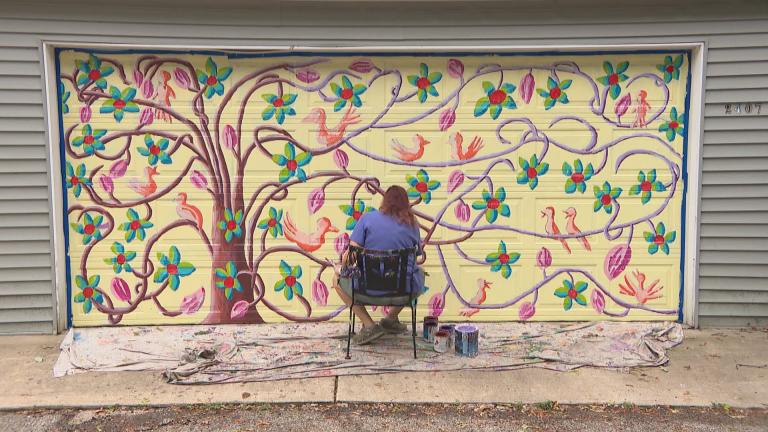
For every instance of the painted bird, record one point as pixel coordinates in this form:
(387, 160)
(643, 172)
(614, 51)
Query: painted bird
(551, 226)
(570, 226)
(641, 109)
(145, 188)
(479, 298)
(188, 211)
(456, 140)
(329, 137)
(410, 154)
(162, 96)
(308, 242)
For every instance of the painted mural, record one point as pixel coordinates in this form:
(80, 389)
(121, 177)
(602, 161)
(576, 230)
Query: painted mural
(216, 188)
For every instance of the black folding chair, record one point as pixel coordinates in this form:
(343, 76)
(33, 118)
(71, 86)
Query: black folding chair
(387, 276)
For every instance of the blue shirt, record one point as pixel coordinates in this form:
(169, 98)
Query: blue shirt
(378, 231)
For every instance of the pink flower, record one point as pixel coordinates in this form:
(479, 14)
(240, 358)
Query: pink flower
(118, 168)
(598, 301)
(341, 159)
(146, 117)
(455, 68)
(147, 89)
(623, 105)
(85, 114)
(617, 260)
(120, 289)
(437, 304)
(362, 66)
(526, 87)
(455, 179)
(106, 183)
(307, 75)
(230, 137)
(341, 243)
(462, 211)
(543, 258)
(192, 303)
(447, 118)
(315, 200)
(138, 77)
(182, 78)
(526, 311)
(198, 179)
(239, 309)
(319, 292)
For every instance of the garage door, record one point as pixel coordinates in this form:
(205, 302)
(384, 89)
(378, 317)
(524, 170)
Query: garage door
(213, 187)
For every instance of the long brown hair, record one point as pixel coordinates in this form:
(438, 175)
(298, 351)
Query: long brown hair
(397, 206)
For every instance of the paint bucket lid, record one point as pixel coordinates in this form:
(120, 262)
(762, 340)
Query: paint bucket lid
(442, 333)
(466, 328)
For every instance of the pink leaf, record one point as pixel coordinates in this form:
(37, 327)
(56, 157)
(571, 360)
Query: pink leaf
(543, 258)
(462, 211)
(455, 179)
(120, 289)
(138, 77)
(118, 168)
(106, 183)
(85, 114)
(319, 292)
(526, 87)
(147, 89)
(192, 303)
(598, 301)
(315, 200)
(455, 68)
(526, 311)
(182, 78)
(146, 117)
(447, 118)
(307, 75)
(239, 309)
(341, 243)
(437, 304)
(341, 159)
(230, 137)
(362, 66)
(617, 260)
(623, 105)
(198, 179)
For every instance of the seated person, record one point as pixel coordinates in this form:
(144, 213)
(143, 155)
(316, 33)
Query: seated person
(394, 226)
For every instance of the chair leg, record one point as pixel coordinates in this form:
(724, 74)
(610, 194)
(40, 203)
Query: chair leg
(413, 327)
(353, 322)
(349, 333)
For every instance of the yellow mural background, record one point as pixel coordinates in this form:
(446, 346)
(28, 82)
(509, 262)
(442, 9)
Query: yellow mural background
(525, 203)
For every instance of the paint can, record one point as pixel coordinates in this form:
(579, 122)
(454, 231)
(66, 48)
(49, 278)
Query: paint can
(466, 339)
(450, 329)
(442, 341)
(430, 328)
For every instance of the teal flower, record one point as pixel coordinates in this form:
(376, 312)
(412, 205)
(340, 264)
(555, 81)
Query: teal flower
(119, 102)
(76, 178)
(425, 82)
(570, 293)
(289, 284)
(122, 259)
(495, 99)
(64, 94)
(577, 176)
(614, 77)
(135, 227)
(212, 79)
(278, 107)
(231, 224)
(493, 205)
(273, 222)
(646, 185)
(421, 186)
(173, 268)
(555, 92)
(605, 197)
(226, 279)
(530, 171)
(346, 92)
(88, 292)
(675, 126)
(501, 260)
(292, 163)
(660, 239)
(93, 71)
(355, 212)
(90, 139)
(155, 151)
(671, 68)
(90, 228)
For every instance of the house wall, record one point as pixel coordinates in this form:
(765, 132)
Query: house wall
(733, 280)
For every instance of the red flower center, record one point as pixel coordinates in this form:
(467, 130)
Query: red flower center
(659, 239)
(291, 165)
(645, 186)
(211, 80)
(572, 293)
(87, 292)
(229, 282)
(272, 223)
(555, 93)
(94, 74)
(88, 139)
(423, 83)
(89, 229)
(135, 225)
(278, 102)
(673, 125)
(74, 180)
(121, 259)
(172, 269)
(577, 177)
(231, 225)
(605, 199)
(532, 172)
(347, 93)
(290, 281)
(356, 215)
(119, 104)
(503, 258)
(493, 203)
(421, 187)
(613, 79)
(497, 97)
(670, 68)
(155, 150)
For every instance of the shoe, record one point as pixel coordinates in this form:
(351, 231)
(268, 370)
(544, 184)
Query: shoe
(392, 326)
(367, 335)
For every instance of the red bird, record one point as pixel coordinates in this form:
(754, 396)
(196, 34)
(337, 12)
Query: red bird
(551, 226)
(188, 211)
(147, 188)
(458, 153)
(407, 154)
(330, 137)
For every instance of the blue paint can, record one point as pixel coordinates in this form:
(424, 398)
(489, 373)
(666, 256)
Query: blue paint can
(430, 328)
(466, 337)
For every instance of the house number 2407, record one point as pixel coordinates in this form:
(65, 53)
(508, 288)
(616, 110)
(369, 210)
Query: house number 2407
(743, 109)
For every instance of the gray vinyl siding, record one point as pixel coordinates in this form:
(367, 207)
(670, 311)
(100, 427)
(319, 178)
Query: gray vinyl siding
(734, 198)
